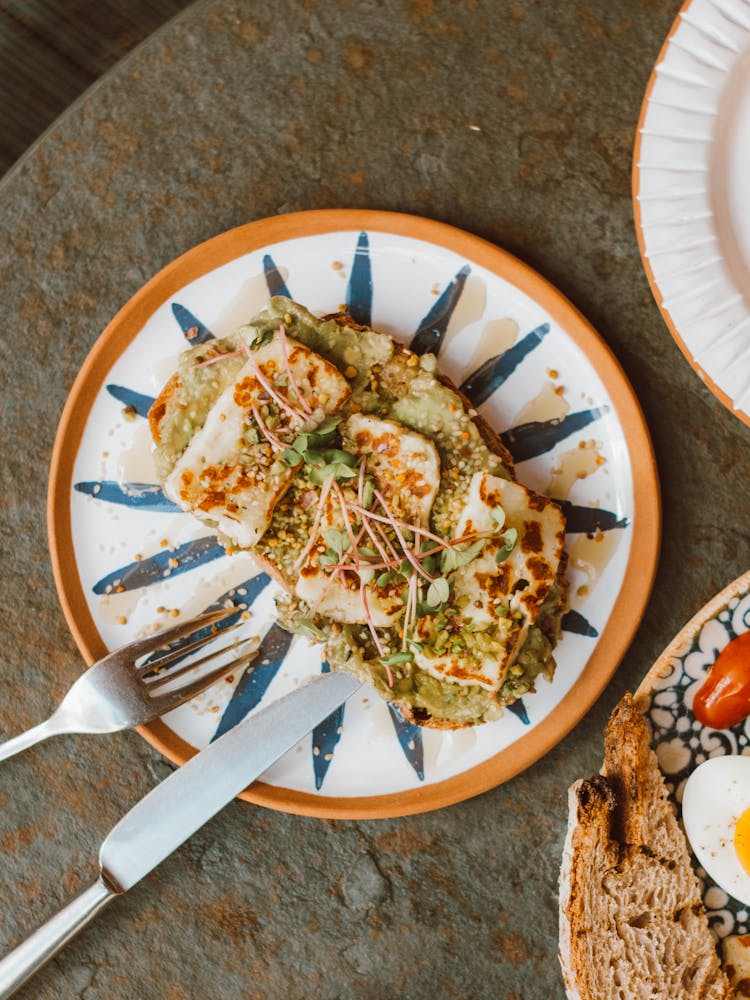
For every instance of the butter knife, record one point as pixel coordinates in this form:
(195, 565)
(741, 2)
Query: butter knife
(171, 813)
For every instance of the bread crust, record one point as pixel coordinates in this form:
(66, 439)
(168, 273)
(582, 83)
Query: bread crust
(169, 397)
(627, 885)
(160, 406)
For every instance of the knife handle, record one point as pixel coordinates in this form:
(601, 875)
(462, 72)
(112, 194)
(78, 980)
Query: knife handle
(45, 942)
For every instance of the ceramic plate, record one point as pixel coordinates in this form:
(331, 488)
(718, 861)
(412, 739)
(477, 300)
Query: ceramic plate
(125, 558)
(680, 741)
(691, 190)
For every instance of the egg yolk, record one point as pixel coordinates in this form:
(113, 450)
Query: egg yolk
(742, 840)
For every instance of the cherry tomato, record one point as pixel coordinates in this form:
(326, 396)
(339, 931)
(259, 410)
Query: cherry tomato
(724, 699)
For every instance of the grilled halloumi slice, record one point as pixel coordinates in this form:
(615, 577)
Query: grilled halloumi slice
(501, 599)
(230, 475)
(404, 464)
(523, 580)
(405, 468)
(340, 597)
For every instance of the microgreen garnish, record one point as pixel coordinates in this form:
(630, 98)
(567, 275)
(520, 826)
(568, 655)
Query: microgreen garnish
(454, 558)
(438, 592)
(306, 627)
(498, 516)
(395, 658)
(290, 457)
(328, 426)
(510, 537)
(367, 492)
(337, 540)
(319, 473)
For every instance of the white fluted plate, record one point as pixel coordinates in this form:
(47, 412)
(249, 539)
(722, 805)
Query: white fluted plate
(691, 190)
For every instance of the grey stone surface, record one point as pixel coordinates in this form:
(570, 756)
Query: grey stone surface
(237, 111)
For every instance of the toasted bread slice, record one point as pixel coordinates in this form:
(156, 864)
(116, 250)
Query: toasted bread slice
(632, 922)
(178, 413)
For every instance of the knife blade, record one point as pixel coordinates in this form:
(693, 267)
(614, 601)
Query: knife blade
(172, 812)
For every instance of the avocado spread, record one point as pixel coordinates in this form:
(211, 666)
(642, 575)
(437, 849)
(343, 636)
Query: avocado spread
(362, 480)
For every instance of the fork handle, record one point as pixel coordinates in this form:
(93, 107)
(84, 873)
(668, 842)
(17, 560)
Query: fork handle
(34, 735)
(45, 942)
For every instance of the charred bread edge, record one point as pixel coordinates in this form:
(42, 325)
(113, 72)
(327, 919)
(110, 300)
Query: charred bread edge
(575, 805)
(602, 807)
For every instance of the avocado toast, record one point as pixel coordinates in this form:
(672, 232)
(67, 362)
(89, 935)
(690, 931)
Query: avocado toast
(386, 508)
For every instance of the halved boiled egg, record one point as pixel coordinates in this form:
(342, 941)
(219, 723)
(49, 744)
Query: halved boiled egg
(716, 815)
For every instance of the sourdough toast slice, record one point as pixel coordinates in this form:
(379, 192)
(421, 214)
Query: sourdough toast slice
(387, 381)
(632, 922)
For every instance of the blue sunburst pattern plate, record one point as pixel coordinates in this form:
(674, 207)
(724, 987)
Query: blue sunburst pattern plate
(126, 559)
(681, 742)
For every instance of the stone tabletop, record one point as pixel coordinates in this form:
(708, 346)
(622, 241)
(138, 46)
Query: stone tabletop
(513, 120)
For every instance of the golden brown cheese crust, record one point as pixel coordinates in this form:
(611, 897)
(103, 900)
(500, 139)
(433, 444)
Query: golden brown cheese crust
(168, 397)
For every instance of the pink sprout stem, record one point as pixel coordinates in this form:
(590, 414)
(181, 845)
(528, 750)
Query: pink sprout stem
(279, 400)
(401, 524)
(222, 357)
(402, 541)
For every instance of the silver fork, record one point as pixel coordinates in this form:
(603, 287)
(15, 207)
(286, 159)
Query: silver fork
(126, 688)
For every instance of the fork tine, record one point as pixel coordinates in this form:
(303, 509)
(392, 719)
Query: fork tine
(171, 675)
(185, 650)
(171, 699)
(143, 646)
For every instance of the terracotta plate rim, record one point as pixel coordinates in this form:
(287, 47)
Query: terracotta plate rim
(639, 573)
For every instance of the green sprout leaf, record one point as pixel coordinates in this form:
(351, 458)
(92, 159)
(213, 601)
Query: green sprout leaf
(384, 579)
(368, 490)
(510, 537)
(337, 540)
(405, 569)
(498, 516)
(454, 558)
(306, 627)
(319, 474)
(396, 658)
(301, 443)
(336, 455)
(430, 564)
(290, 457)
(438, 592)
(327, 426)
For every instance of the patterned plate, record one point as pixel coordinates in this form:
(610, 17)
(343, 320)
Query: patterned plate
(125, 558)
(691, 192)
(680, 741)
